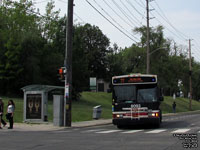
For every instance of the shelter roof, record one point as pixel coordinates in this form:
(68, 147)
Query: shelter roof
(44, 88)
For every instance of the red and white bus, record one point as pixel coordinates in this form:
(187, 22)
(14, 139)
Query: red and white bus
(136, 100)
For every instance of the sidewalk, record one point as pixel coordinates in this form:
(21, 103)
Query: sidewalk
(51, 127)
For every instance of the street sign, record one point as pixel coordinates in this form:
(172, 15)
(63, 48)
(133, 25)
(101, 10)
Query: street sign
(93, 83)
(66, 90)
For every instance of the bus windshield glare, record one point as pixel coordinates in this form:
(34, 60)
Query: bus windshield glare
(135, 93)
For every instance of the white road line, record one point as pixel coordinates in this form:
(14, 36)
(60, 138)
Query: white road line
(76, 129)
(109, 131)
(61, 131)
(133, 131)
(181, 131)
(95, 130)
(156, 131)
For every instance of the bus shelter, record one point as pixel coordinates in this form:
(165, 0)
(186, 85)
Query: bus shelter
(36, 102)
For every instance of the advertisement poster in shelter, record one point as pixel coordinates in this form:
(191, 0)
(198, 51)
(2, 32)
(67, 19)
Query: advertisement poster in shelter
(33, 106)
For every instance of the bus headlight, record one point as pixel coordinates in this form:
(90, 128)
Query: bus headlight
(119, 116)
(154, 114)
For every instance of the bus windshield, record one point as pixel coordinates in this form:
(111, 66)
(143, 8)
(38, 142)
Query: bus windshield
(147, 95)
(125, 93)
(132, 93)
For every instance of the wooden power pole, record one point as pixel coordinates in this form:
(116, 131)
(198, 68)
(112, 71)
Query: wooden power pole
(147, 42)
(68, 65)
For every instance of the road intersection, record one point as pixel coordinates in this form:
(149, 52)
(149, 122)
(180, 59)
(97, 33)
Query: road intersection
(176, 133)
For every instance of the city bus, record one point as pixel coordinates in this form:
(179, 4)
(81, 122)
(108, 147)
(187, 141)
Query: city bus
(136, 99)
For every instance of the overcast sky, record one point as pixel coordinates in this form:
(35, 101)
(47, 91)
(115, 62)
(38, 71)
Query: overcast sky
(183, 18)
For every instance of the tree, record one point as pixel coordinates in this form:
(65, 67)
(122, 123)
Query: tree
(95, 46)
(26, 51)
(115, 61)
(162, 61)
(134, 59)
(17, 23)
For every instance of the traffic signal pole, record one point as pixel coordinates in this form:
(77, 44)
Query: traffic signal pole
(68, 65)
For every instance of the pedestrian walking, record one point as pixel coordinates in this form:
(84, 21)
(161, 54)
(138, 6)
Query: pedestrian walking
(10, 113)
(174, 107)
(1, 113)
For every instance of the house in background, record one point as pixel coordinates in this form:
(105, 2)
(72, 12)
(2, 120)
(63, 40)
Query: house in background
(99, 85)
(102, 86)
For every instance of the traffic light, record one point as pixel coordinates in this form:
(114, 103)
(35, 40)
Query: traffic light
(61, 73)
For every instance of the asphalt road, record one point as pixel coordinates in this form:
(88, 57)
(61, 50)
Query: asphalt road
(174, 132)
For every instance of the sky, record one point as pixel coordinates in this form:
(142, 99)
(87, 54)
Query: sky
(180, 18)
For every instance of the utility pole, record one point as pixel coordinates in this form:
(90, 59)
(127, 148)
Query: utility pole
(68, 65)
(147, 42)
(190, 76)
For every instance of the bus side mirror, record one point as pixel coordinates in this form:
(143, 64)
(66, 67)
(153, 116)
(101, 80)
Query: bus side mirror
(161, 98)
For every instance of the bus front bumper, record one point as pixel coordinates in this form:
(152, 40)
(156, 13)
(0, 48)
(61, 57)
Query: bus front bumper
(135, 121)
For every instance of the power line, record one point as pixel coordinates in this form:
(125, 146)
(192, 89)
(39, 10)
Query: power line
(118, 14)
(177, 33)
(197, 51)
(134, 8)
(174, 33)
(140, 4)
(169, 21)
(110, 21)
(63, 1)
(180, 33)
(137, 10)
(196, 55)
(129, 12)
(113, 19)
(123, 12)
(197, 44)
(74, 12)
(41, 2)
(79, 17)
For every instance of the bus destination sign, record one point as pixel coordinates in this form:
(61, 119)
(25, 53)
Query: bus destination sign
(134, 80)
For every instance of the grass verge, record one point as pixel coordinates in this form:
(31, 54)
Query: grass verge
(82, 110)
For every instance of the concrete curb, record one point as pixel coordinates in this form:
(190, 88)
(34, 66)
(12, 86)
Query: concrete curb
(182, 113)
(92, 123)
